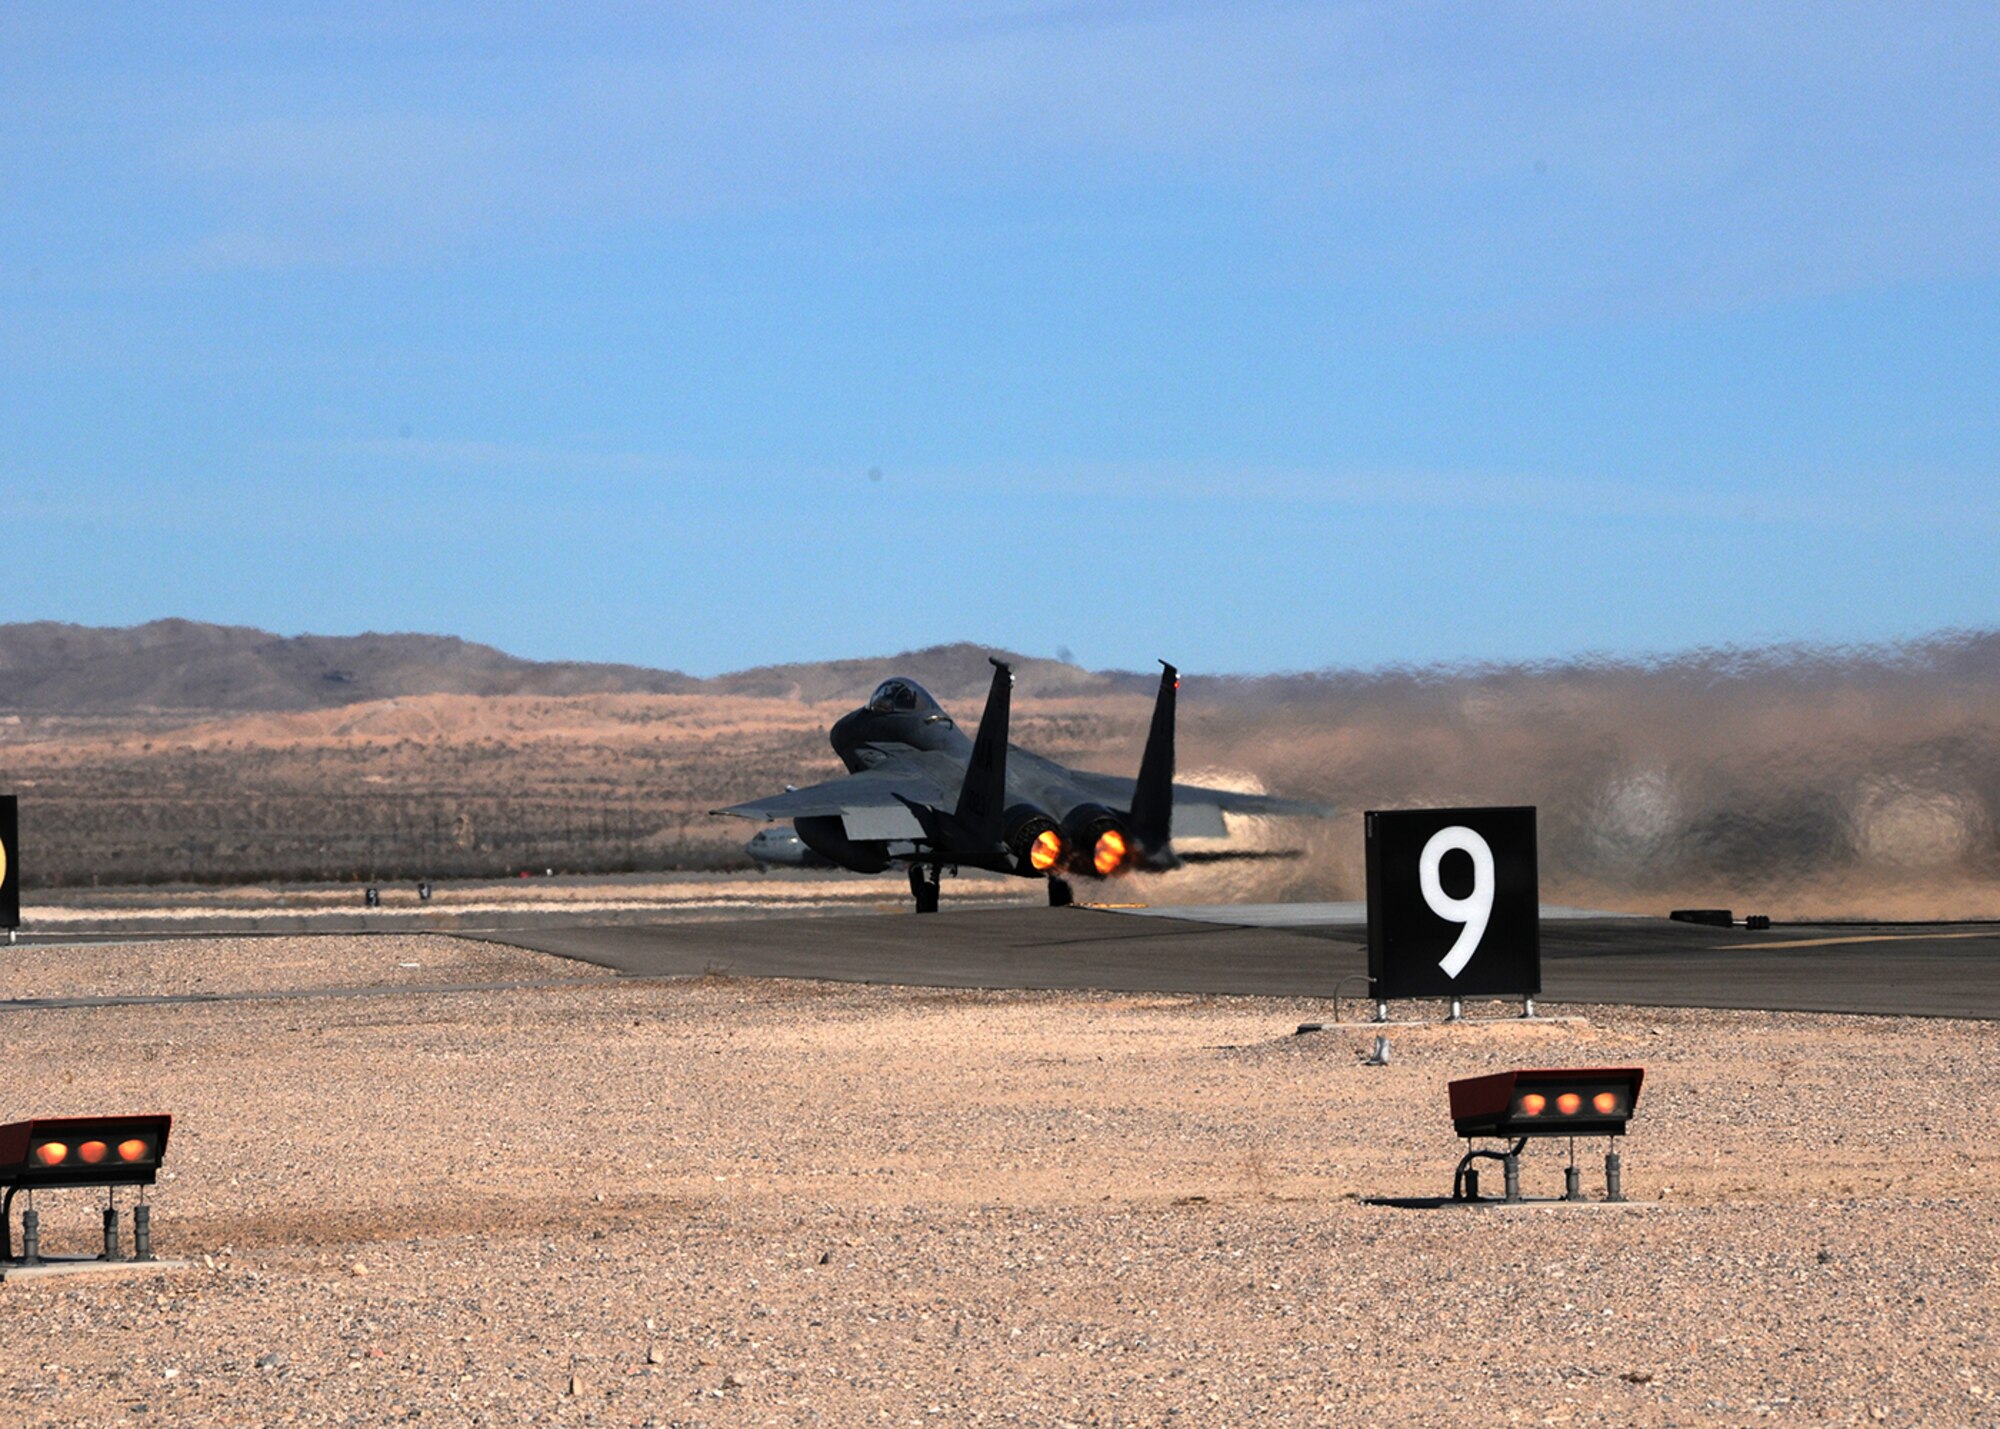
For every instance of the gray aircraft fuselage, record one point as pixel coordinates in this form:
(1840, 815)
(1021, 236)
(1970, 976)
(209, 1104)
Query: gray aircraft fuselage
(865, 737)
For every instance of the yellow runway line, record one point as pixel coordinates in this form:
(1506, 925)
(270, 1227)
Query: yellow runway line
(1858, 938)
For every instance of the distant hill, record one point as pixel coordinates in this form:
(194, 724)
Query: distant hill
(166, 665)
(951, 672)
(48, 668)
(173, 665)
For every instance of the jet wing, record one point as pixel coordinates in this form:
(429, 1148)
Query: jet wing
(1232, 802)
(1198, 811)
(874, 804)
(1117, 793)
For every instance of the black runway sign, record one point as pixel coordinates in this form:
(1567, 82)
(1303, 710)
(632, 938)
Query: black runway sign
(10, 863)
(1454, 905)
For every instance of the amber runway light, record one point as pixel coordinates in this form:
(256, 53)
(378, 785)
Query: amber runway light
(1545, 1102)
(66, 1152)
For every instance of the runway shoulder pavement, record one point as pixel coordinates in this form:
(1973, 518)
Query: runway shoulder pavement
(973, 947)
(1913, 970)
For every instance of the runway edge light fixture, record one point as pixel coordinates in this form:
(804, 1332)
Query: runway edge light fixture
(54, 1153)
(1543, 1102)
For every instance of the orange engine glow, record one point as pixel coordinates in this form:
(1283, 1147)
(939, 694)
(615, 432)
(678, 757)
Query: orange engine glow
(1046, 851)
(1110, 855)
(137, 1149)
(1569, 1103)
(92, 1152)
(1533, 1104)
(1605, 1102)
(51, 1153)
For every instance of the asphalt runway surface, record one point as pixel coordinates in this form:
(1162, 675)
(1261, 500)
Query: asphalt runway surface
(1928, 970)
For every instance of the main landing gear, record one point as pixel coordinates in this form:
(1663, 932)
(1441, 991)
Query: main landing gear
(924, 886)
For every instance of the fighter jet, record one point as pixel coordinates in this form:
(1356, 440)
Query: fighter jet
(920, 794)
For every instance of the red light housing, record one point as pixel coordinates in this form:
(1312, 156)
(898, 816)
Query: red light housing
(1592, 1101)
(83, 1150)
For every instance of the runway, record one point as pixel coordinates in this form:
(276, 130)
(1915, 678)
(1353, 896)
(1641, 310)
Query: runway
(1945, 970)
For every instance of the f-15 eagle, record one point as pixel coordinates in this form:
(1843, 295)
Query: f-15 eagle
(919, 793)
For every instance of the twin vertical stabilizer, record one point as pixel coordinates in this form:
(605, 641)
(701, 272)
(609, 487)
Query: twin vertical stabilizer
(982, 798)
(1152, 817)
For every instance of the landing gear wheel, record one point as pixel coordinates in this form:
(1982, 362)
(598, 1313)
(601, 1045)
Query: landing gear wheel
(1061, 895)
(924, 886)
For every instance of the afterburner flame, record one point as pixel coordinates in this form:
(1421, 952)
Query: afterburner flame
(1046, 851)
(1110, 855)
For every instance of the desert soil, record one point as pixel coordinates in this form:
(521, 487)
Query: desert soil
(585, 1200)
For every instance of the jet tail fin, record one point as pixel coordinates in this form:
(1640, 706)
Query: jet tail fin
(983, 796)
(1152, 816)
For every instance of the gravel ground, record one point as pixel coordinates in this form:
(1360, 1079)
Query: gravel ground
(181, 967)
(476, 903)
(727, 1202)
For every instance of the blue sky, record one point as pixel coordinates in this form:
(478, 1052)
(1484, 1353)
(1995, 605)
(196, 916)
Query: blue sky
(1255, 336)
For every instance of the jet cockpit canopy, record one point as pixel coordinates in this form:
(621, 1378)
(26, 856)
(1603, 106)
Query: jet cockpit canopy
(900, 696)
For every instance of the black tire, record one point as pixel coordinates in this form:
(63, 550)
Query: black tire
(1061, 895)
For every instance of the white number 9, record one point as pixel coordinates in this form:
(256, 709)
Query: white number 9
(1475, 908)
